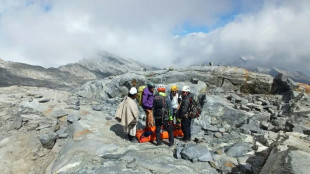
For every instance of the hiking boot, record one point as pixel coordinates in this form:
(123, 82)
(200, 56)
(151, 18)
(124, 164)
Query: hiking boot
(134, 141)
(185, 140)
(170, 144)
(131, 138)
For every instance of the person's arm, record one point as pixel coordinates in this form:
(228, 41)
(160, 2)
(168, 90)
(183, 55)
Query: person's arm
(170, 111)
(184, 107)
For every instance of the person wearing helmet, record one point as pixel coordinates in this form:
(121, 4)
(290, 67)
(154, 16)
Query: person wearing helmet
(185, 120)
(175, 102)
(127, 114)
(162, 112)
(147, 104)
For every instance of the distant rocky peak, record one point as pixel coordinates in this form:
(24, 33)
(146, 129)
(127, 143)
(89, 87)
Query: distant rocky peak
(274, 71)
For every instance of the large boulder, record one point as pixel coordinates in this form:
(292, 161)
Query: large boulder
(291, 155)
(229, 78)
(196, 152)
(221, 110)
(283, 84)
(110, 87)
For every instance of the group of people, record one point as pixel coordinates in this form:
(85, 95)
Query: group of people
(160, 109)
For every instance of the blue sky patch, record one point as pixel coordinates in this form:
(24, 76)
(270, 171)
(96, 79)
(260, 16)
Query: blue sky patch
(47, 8)
(187, 27)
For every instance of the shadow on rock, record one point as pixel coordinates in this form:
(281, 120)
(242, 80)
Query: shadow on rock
(118, 130)
(253, 164)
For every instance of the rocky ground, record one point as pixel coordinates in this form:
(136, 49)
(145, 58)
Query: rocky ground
(251, 123)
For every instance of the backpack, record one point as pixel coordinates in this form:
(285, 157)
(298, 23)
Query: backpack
(160, 108)
(140, 94)
(194, 109)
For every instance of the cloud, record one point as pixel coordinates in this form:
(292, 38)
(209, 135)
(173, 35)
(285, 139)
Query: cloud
(53, 33)
(276, 36)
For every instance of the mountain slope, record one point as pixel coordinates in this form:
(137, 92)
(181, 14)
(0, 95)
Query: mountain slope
(296, 75)
(67, 76)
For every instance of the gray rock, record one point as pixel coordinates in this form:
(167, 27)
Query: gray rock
(223, 111)
(218, 135)
(255, 106)
(48, 140)
(234, 96)
(243, 107)
(32, 126)
(264, 125)
(108, 118)
(62, 132)
(61, 113)
(194, 81)
(222, 130)
(44, 100)
(225, 164)
(43, 126)
(178, 150)
(38, 96)
(73, 118)
(239, 149)
(218, 90)
(282, 84)
(195, 152)
(251, 127)
(18, 122)
(73, 101)
(74, 107)
(306, 131)
(227, 85)
(291, 156)
(98, 107)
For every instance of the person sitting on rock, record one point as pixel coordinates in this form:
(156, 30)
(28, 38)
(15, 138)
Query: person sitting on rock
(147, 104)
(175, 102)
(183, 114)
(127, 114)
(163, 114)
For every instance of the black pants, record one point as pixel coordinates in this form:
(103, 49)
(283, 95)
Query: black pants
(175, 115)
(169, 128)
(186, 128)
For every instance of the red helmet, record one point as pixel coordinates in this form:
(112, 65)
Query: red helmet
(161, 88)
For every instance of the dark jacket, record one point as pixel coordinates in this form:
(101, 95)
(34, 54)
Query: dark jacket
(147, 99)
(184, 105)
(169, 106)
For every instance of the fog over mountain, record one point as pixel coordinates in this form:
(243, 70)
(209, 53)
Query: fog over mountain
(273, 33)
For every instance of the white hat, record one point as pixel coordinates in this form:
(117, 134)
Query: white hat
(133, 91)
(185, 89)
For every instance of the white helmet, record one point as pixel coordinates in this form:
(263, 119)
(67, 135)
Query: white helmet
(185, 89)
(133, 91)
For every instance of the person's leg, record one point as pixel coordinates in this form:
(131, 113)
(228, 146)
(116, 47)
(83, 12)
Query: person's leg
(149, 118)
(146, 118)
(174, 116)
(183, 126)
(158, 128)
(189, 133)
(186, 130)
(170, 132)
(133, 129)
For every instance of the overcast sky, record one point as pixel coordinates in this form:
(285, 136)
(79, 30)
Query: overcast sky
(162, 33)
